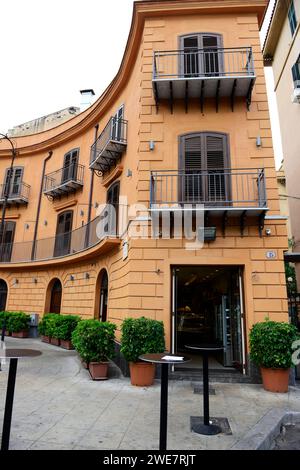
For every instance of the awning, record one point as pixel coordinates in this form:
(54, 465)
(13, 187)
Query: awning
(292, 257)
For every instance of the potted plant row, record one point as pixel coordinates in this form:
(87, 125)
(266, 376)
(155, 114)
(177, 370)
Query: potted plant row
(94, 342)
(57, 329)
(271, 349)
(16, 324)
(141, 336)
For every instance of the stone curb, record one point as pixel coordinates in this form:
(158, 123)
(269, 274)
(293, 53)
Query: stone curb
(262, 435)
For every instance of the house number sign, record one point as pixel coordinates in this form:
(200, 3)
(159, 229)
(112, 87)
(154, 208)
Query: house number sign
(271, 254)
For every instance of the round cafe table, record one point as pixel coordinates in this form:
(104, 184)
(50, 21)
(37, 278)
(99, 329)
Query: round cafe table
(13, 355)
(165, 359)
(206, 428)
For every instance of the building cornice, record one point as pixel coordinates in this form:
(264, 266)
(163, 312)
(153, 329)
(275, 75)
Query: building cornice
(47, 140)
(278, 17)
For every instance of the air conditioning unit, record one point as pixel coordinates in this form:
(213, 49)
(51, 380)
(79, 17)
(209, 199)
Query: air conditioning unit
(296, 95)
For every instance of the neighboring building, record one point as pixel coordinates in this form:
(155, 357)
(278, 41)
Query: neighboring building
(283, 199)
(282, 52)
(184, 123)
(49, 121)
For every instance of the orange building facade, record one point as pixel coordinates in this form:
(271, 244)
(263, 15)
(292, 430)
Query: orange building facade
(182, 131)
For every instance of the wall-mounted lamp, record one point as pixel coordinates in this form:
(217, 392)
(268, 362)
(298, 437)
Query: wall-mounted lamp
(82, 213)
(72, 277)
(151, 145)
(128, 173)
(96, 205)
(45, 222)
(268, 232)
(26, 226)
(258, 141)
(87, 275)
(34, 280)
(16, 281)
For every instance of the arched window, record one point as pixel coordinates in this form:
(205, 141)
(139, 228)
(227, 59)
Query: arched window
(55, 296)
(101, 296)
(3, 295)
(203, 161)
(202, 54)
(63, 234)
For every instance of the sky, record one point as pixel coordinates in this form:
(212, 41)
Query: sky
(51, 49)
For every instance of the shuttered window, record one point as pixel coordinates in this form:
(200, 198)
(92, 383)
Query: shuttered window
(203, 159)
(296, 73)
(70, 166)
(13, 187)
(202, 55)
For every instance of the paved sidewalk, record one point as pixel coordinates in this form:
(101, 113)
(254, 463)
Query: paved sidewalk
(58, 406)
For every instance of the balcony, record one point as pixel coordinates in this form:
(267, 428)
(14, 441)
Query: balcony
(63, 246)
(18, 194)
(63, 181)
(203, 73)
(220, 193)
(107, 150)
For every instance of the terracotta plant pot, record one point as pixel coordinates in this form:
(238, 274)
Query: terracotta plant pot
(275, 380)
(55, 341)
(45, 339)
(141, 373)
(66, 344)
(20, 334)
(98, 370)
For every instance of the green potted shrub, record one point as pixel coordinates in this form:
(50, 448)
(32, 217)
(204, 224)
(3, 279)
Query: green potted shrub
(53, 326)
(3, 321)
(18, 324)
(271, 350)
(94, 342)
(47, 328)
(65, 328)
(141, 336)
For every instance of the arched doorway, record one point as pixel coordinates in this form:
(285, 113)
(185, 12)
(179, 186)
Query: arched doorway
(3, 295)
(56, 294)
(102, 296)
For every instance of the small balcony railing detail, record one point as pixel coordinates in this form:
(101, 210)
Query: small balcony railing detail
(108, 148)
(64, 244)
(203, 73)
(64, 180)
(18, 194)
(239, 189)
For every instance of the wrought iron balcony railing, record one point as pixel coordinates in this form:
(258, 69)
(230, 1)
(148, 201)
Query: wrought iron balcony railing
(109, 146)
(201, 73)
(68, 243)
(64, 180)
(18, 194)
(215, 189)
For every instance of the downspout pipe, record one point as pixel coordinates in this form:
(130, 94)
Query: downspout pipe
(87, 235)
(39, 205)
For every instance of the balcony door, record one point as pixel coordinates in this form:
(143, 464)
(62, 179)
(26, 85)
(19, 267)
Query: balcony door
(203, 161)
(113, 208)
(201, 55)
(63, 234)
(13, 181)
(7, 240)
(70, 166)
(117, 125)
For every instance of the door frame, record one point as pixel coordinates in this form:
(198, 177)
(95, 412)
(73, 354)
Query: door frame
(174, 292)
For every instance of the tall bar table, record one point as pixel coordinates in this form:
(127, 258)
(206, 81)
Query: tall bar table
(206, 428)
(13, 355)
(159, 359)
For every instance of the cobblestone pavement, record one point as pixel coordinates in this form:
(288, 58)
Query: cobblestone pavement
(58, 406)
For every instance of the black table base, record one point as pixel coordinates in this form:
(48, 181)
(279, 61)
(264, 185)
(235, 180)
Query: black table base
(9, 403)
(207, 429)
(163, 407)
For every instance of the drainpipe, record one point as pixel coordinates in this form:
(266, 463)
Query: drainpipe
(39, 205)
(87, 235)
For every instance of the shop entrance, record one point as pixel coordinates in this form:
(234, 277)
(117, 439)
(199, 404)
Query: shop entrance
(208, 309)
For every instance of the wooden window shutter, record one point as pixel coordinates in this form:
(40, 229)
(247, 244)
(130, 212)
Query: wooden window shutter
(215, 150)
